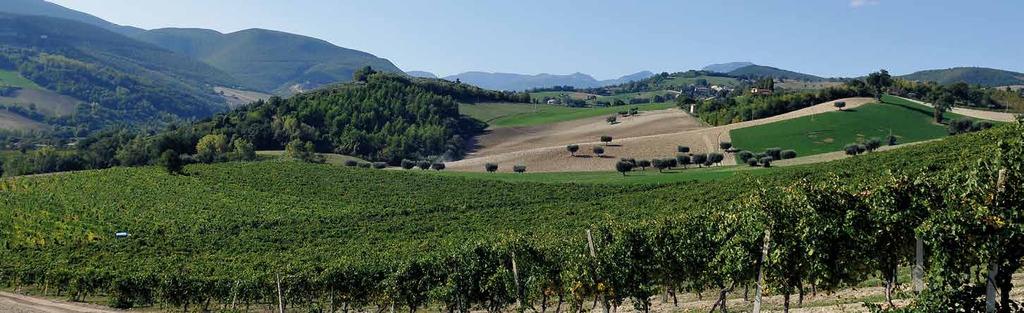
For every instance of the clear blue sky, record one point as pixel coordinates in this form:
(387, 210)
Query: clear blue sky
(612, 38)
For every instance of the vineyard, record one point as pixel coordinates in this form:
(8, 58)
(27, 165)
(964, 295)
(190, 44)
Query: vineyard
(307, 237)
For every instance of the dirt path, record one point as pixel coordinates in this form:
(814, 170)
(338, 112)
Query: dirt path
(982, 114)
(554, 157)
(16, 303)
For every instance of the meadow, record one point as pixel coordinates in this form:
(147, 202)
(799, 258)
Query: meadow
(831, 131)
(14, 79)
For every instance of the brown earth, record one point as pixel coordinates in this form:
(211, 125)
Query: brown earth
(645, 139)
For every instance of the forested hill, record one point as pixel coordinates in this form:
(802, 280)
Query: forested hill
(128, 79)
(381, 116)
(760, 71)
(45, 8)
(268, 60)
(987, 77)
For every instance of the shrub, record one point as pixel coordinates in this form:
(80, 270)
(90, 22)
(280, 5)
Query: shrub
(788, 154)
(960, 126)
(351, 163)
(572, 149)
(715, 158)
(423, 165)
(699, 159)
(766, 162)
(872, 144)
(744, 155)
(851, 149)
(623, 167)
(682, 149)
(491, 167)
(683, 160)
(775, 153)
(408, 164)
(892, 140)
(379, 165)
(611, 120)
(981, 125)
(599, 151)
(752, 162)
(606, 139)
(437, 166)
(725, 145)
(171, 161)
(643, 164)
(519, 168)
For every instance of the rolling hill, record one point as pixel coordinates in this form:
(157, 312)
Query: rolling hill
(129, 80)
(267, 60)
(518, 82)
(754, 71)
(726, 67)
(421, 74)
(44, 8)
(987, 77)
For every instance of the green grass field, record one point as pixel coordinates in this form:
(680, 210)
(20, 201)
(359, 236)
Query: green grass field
(829, 132)
(648, 176)
(513, 114)
(14, 79)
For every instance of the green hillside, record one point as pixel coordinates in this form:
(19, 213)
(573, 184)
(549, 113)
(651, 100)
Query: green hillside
(756, 71)
(46, 8)
(9, 78)
(367, 231)
(831, 131)
(268, 60)
(131, 81)
(972, 75)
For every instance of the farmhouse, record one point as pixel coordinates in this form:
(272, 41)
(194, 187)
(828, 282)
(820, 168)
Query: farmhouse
(761, 91)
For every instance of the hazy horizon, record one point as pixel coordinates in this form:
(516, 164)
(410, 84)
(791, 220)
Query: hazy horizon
(836, 38)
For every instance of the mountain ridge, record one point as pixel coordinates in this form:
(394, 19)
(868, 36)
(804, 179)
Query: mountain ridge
(988, 77)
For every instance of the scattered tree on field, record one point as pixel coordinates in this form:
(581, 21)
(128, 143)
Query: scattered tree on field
(774, 153)
(437, 166)
(715, 158)
(839, 104)
(423, 165)
(171, 161)
(606, 139)
(682, 149)
(752, 161)
(491, 167)
(351, 163)
(699, 159)
(611, 119)
(683, 160)
(766, 161)
(599, 151)
(408, 164)
(380, 165)
(572, 149)
(643, 164)
(892, 140)
(623, 167)
(519, 168)
(725, 145)
(872, 144)
(745, 155)
(878, 81)
(659, 164)
(788, 154)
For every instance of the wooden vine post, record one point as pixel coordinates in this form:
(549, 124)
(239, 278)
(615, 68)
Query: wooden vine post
(280, 300)
(993, 269)
(519, 289)
(593, 254)
(918, 271)
(760, 271)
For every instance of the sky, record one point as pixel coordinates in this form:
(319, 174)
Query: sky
(607, 39)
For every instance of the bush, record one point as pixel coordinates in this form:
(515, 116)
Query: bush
(491, 167)
(892, 140)
(599, 151)
(171, 161)
(623, 167)
(873, 144)
(437, 166)
(519, 168)
(408, 164)
(752, 162)
(725, 145)
(788, 154)
(715, 158)
(682, 149)
(351, 163)
(981, 125)
(960, 126)
(572, 149)
(683, 160)
(766, 162)
(851, 149)
(744, 155)
(699, 159)
(423, 165)
(611, 120)
(775, 153)
(643, 164)
(606, 139)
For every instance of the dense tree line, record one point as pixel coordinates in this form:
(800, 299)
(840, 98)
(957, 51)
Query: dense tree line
(727, 110)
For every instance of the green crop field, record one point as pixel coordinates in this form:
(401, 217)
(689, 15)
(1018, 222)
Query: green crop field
(831, 131)
(509, 115)
(14, 79)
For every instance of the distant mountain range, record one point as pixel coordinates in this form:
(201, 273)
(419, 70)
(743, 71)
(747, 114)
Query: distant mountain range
(510, 81)
(768, 71)
(726, 67)
(44, 8)
(972, 75)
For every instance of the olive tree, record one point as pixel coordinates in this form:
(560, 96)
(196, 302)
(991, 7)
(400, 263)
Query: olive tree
(491, 167)
(520, 168)
(839, 105)
(643, 164)
(379, 165)
(437, 166)
(606, 139)
(725, 145)
(611, 119)
(682, 149)
(623, 167)
(715, 158)
(599, 151)
(775, 153)
(408, 164)
(788, 154)
(872, 144)
(573, 148)
(683, 160)
(699, 159)
(423, 165)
